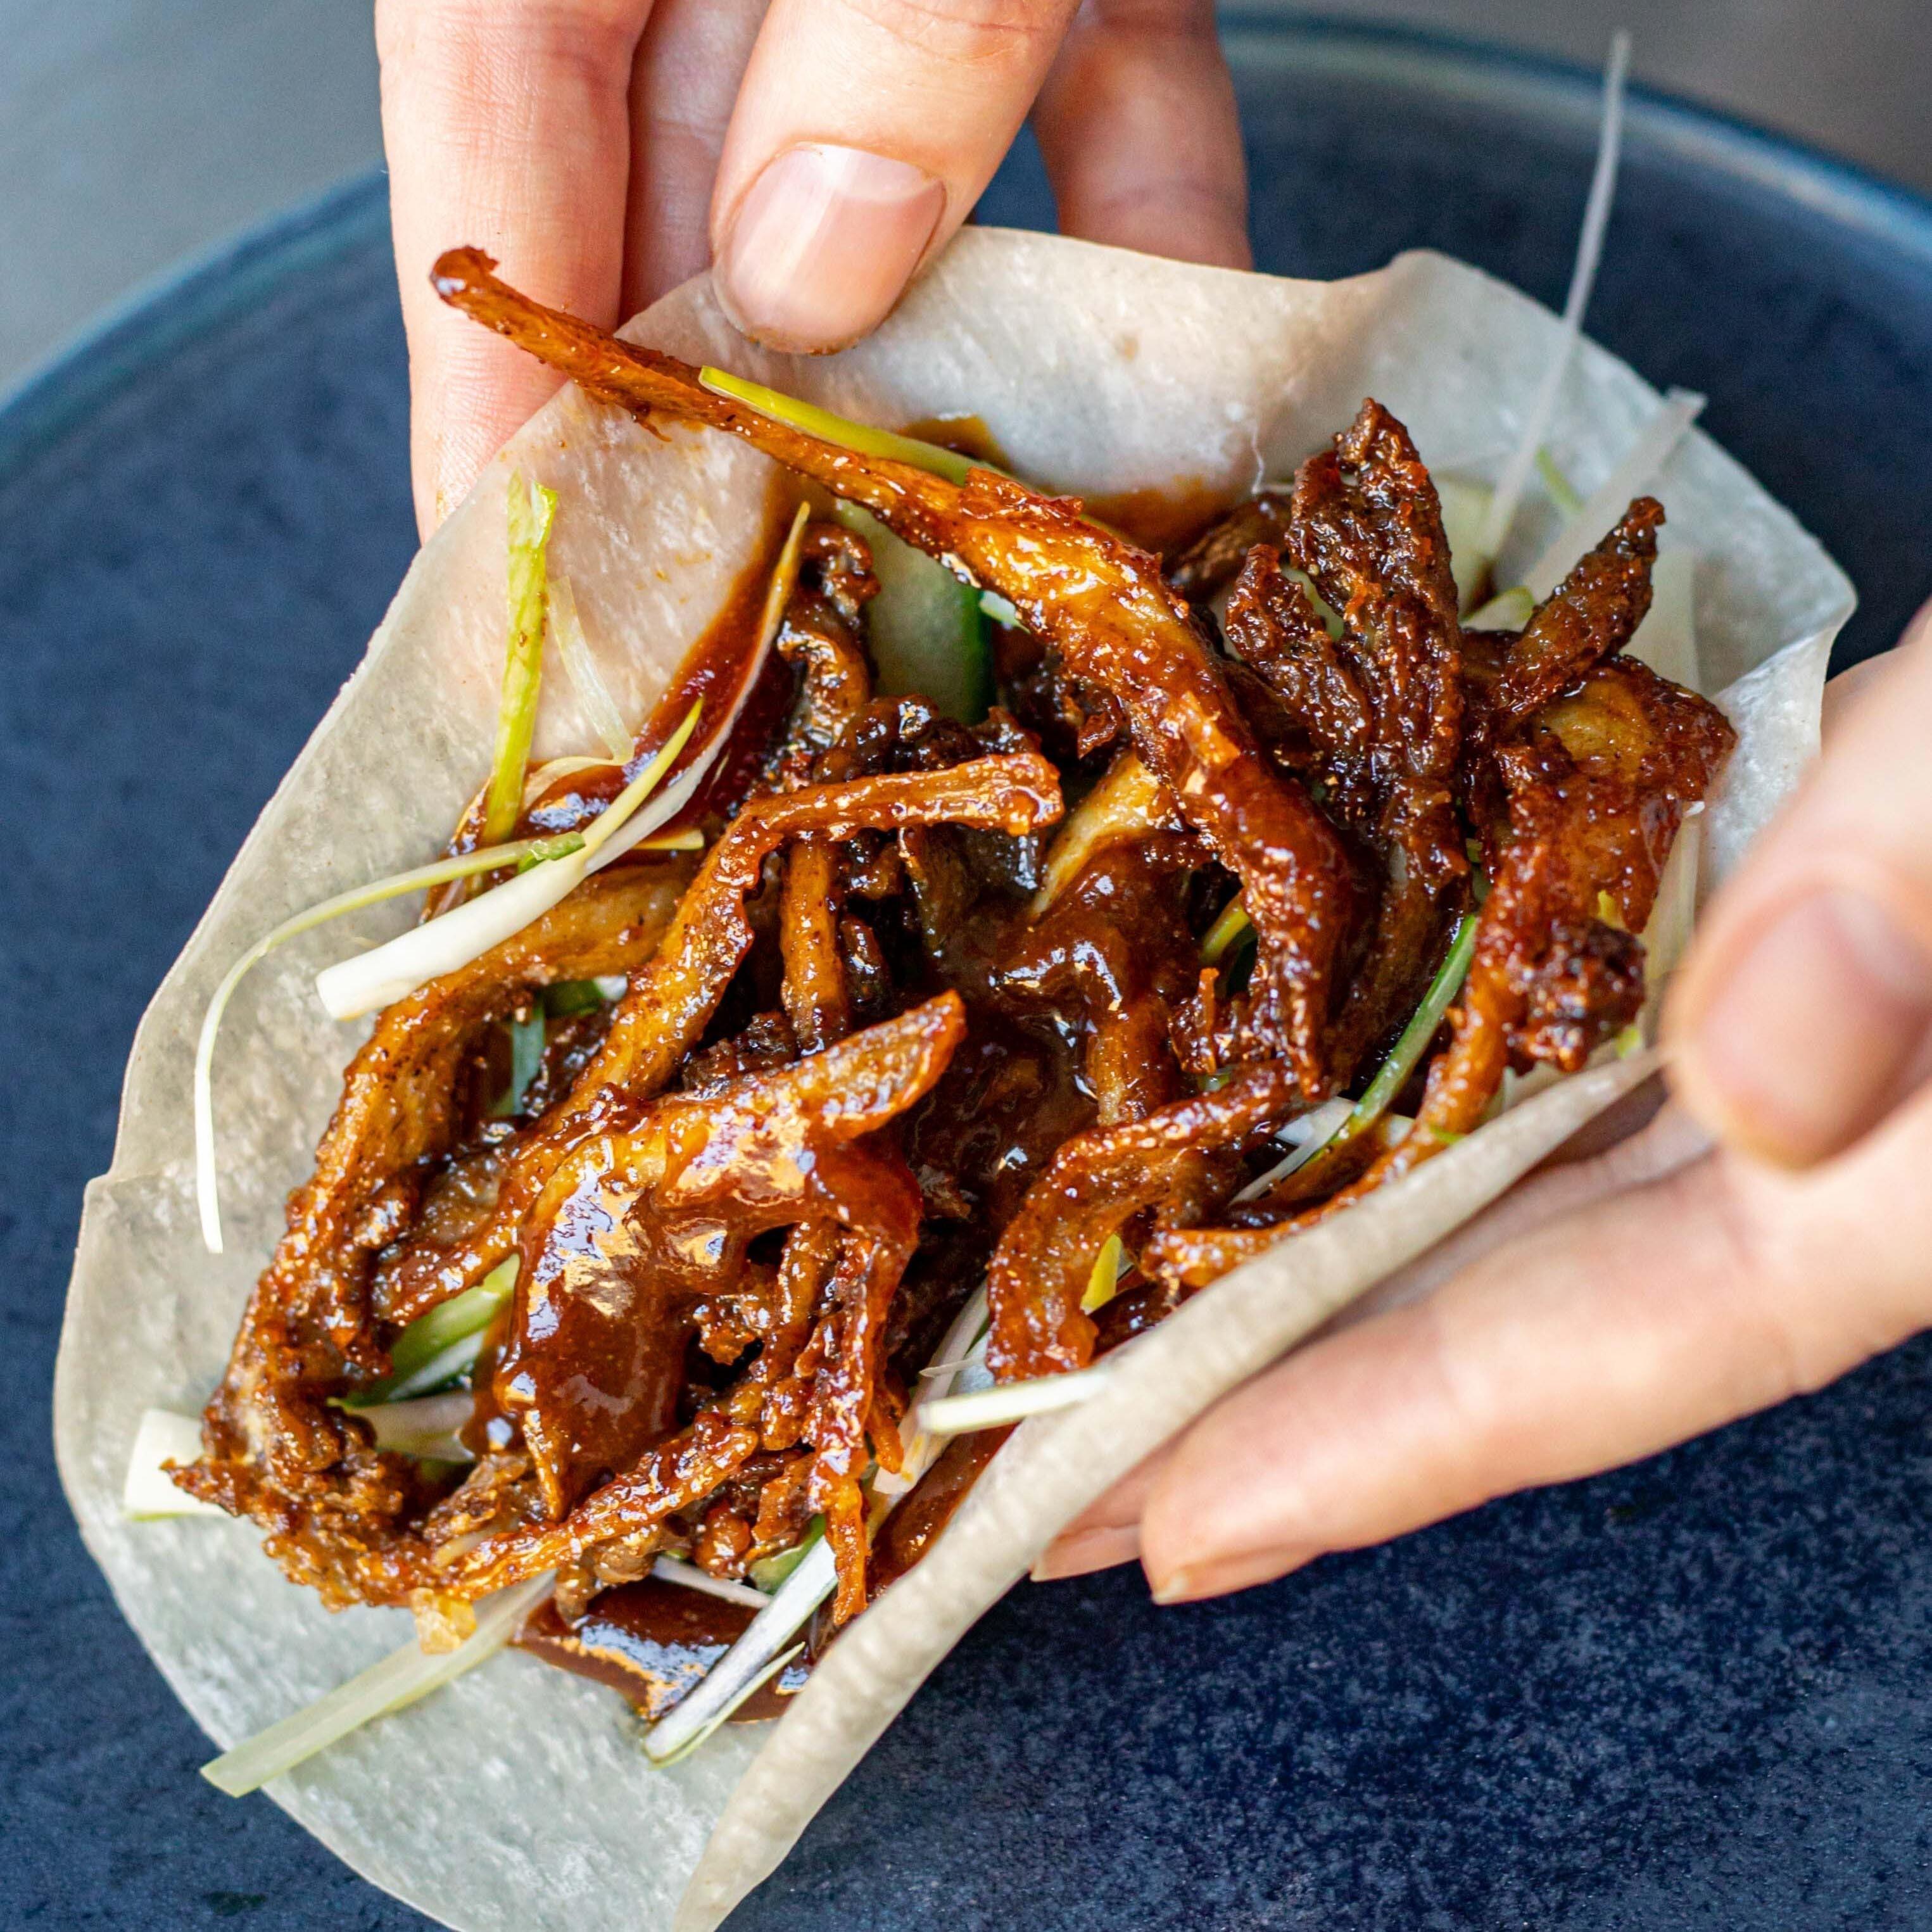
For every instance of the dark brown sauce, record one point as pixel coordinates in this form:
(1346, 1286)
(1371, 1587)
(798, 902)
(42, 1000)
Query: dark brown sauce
(652, 1641)
(592, 1369)
(910, 1532)
(710, 672)
(964, 434)
(1165, 520)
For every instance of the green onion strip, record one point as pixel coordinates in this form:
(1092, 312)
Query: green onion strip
(861, 438)
(531, 512)
(464, 865)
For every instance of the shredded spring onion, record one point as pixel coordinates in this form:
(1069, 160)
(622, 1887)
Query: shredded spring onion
(768, 1572)
(579, 666)
(1233, 922)
(1562, 491)
(496, 859)
(1632, 475)
(148, 1493)
(670, 1569)
(400, 1679)
(860, 438)
(431, 1350)
(748, 1662)
(1582, 280)
(531, 511)
(1464, 505)
(961, 1356)
(1103, 1284)
(1508, 611)
(425, 1426)
(392, 971)
(1309, 1136)
(742, 1695)
(1406, 1054)
(527, 1035)
(1013, 1402)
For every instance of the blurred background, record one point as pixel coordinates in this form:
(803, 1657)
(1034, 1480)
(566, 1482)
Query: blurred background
(136, 133)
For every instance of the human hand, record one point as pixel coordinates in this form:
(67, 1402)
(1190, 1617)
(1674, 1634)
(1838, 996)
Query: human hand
(818, 151)
(1613, 1307)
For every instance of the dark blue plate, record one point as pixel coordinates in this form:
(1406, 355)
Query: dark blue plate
(1696, 1692)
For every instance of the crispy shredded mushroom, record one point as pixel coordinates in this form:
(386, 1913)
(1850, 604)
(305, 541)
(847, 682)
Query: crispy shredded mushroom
(916, 1074)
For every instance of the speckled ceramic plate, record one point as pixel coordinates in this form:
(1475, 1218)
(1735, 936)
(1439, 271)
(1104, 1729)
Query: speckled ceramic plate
(1694, 1692)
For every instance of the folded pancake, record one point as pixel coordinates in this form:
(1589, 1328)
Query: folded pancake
(833, 1071)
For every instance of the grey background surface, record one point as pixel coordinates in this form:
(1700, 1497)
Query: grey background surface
(135, 132)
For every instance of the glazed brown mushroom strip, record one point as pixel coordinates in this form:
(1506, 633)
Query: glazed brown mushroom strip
(670, 1002)
(1381, 705)
(273, 1448)
(1101, 602)
(1178, 1161)
(1597, 786)
(821, 636)
(1594, 614)
(1211, 562)
(592, 1377)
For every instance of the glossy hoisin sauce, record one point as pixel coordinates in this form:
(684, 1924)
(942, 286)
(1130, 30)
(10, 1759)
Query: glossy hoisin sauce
(710, 673)
(653, 1642)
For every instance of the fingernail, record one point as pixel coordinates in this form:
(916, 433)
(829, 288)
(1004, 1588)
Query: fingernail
(1193, 1581)
(1091, 1549)
(822, 244)
(1813, 1037)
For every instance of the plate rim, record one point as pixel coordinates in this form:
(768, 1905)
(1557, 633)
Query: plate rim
(116, 345)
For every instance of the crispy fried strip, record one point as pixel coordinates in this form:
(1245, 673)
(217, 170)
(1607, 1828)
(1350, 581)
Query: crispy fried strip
(273, 1449)
(670, 1001)
(1593, 615)
(821, 636)
(1596, 792)
(845, 1392)
(816, 999)
(1098, 1182)
(776, 1148)
(1103, 603)
(1385, 709)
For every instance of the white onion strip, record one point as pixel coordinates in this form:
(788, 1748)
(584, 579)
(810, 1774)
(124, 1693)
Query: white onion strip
(1635, 471)
(368, 981)
(688, 1576)
(400, 1679)
(149, 1492)
(1508, 498)
(492, 859)
(1012, 1402)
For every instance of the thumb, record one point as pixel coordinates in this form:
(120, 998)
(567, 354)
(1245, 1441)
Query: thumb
(863, 136)
(1804, 1014)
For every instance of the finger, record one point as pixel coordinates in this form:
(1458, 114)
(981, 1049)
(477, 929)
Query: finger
(686, 76)
(1804, 1013)
(864, 133)
(506, 125)
(1108, 1531)
(1138, 125)
(1600, 1338)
